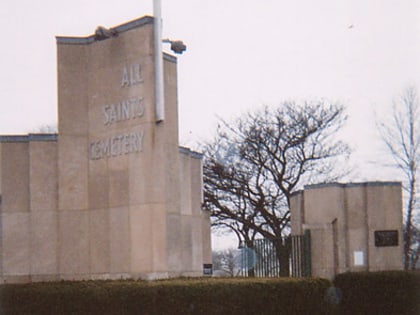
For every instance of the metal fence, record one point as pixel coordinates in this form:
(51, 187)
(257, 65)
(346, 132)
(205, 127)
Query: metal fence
(262, 259)
(301, 255)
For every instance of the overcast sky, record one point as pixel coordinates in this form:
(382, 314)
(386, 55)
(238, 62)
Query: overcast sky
(241, 54)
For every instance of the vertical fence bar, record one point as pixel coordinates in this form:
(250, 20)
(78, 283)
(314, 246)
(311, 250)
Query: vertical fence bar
(277, 261)
(293, 256)
(269, 256)
(266, 257)
(307, 253)
(256, 264)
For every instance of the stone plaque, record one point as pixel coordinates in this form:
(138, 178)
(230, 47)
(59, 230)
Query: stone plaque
(386, 238)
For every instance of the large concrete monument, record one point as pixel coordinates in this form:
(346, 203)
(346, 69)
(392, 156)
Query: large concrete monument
(112, 195)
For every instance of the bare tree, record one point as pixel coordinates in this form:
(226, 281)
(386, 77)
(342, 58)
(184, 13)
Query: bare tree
(401, 136)
(415, 247)
(256, 163)
(46, 129)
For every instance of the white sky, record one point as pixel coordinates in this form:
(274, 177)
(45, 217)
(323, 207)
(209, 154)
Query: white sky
(241, 54)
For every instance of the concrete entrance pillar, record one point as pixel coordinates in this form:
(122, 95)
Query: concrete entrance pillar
(353, 227)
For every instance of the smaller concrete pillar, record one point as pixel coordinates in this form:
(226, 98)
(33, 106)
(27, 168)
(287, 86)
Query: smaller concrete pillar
(353, 227)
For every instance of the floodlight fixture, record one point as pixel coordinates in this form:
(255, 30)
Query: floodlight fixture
(177, 46)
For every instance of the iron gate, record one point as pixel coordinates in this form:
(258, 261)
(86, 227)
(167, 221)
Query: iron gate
(301, 255)
(262, 259)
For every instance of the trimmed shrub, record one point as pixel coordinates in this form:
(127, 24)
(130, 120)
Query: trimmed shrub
(176, 296)
(387, 292)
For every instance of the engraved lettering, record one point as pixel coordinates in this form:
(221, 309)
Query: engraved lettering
(138, 106)
(125, 81)
(125, 110)
(121, 144)
(106, 147)
(131, 75)
(112, 113)
(106, 115)
(136, 71)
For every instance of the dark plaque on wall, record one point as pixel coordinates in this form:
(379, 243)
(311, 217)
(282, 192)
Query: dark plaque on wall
(207, 269)
(386, 238)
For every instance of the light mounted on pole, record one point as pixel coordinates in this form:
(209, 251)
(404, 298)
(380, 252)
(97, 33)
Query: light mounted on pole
(177, 46)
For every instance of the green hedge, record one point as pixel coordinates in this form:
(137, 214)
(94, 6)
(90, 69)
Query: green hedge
(180, 296)
(387, 292)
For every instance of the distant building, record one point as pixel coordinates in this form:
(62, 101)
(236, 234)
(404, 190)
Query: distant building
(112, 195)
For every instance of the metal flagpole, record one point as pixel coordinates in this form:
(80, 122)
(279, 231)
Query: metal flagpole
(159, 87)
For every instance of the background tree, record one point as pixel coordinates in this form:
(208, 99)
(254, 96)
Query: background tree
(225, 261)
(415, 246)
(46, 129)
(254, 164)
(401, 136)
